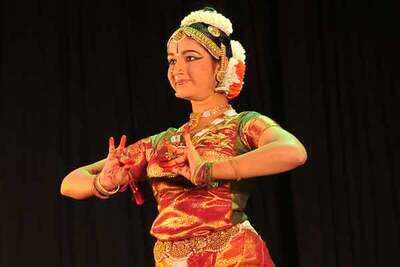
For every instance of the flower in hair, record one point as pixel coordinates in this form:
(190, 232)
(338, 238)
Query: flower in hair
(209, 17)
(233, 80)
(238, 51)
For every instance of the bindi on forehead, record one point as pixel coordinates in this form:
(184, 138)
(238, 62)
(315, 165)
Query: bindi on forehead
(183, 46)
(173, 47)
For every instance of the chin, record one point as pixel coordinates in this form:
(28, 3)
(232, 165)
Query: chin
(187, 94)
(179, 93)
(182, 96)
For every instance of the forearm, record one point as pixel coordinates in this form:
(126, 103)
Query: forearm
(272, 158)
(78, 184)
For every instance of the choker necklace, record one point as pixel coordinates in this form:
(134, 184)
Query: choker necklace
(195, 116)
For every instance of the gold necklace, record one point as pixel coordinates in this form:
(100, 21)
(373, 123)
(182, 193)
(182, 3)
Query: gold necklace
(195, 116)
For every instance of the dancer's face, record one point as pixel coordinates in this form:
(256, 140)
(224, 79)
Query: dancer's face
(192, 69)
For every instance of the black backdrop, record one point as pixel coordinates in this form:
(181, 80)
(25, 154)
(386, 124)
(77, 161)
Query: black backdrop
(74, 73)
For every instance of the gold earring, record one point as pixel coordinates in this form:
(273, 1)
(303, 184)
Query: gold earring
(220, 76)
(224, 64)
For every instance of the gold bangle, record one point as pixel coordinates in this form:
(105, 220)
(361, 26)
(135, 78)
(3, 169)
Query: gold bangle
(99, 187)
(97, 193)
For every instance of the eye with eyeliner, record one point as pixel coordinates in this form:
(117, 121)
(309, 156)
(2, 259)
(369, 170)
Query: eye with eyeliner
(192, 58)
(188, 58)
(171, 61)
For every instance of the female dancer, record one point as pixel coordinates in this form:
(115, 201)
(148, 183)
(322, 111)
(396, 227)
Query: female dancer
(198, 171)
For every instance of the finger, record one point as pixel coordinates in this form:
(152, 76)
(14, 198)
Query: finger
(175, 149)
(188, 141)
(190, 149)
(183, 171)
(179, 152)
(111, 144)
(176, 161)
(122, 142)
(180, 159)
(191, 152)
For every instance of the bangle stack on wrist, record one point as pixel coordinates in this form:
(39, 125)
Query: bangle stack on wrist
(101, 190)
(203, 175)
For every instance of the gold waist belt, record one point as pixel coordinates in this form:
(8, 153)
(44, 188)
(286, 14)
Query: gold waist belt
(214, 242)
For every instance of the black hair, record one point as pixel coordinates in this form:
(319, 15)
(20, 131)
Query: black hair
(222, 39)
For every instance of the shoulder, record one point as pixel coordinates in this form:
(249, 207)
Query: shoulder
(248, 117)
(251, 127)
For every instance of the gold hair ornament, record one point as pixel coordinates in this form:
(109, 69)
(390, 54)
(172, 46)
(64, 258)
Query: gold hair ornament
(198, 36)
(223, 66)
(213, 31)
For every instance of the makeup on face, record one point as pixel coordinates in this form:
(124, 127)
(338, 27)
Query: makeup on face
(191, 69)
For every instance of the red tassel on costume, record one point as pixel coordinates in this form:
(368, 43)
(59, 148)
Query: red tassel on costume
(137, 194)
(138, 197)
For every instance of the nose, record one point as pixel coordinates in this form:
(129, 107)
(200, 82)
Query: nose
(179, 68)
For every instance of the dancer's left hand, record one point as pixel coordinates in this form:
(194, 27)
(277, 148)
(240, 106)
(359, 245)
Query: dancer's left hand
(193, 159)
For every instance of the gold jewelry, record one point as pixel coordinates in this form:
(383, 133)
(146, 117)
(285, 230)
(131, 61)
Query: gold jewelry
(97, 193)
(200, 37)
(214, 242)
(223, 66)
(214, 31)
(195, 116)
(177, 36)
(100, 188)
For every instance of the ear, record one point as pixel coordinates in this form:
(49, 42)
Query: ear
(217, 67)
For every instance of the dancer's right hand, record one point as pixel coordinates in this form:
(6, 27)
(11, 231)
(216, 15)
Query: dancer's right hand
(114, 172)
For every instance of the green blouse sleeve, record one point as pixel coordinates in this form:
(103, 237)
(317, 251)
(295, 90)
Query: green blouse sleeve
(251, 126)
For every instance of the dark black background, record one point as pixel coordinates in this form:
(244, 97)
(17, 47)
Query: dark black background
(74, 73)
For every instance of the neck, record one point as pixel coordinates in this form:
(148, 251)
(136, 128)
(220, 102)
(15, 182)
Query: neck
(210, 102)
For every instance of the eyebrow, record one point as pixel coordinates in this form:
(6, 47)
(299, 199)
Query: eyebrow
(185, 52)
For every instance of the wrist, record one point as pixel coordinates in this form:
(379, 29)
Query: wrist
(225, 170)
(101, 188)
(106, 182)
(97, 193)
(203, 175)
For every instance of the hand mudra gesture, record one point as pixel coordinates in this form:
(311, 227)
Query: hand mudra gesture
(115, 172)
(192, 157)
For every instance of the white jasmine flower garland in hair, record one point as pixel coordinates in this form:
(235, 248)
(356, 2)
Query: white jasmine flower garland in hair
(230, 76)
(209, 17)
(238, 51)
(233, 80)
